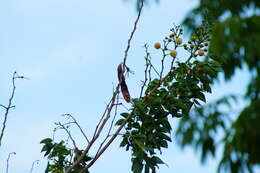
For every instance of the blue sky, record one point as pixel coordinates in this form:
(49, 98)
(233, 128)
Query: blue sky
(70, 51)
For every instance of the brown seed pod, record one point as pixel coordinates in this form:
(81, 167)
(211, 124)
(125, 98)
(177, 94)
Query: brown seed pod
(120, 72)
(125, 91)
(123, 86)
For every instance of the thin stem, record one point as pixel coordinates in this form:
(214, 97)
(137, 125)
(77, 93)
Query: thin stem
(133, 31)
(116, 108)
(7, 161)
(3, 106)
(111, 125)
(97, 131)
(62, 126)
(107, 144)
(9, 106)
(102, 117)
(164, 55)
(146, 69)
(37, 162)
(77, 124)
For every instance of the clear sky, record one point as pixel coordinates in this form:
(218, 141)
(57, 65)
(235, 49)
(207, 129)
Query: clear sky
(70, 50)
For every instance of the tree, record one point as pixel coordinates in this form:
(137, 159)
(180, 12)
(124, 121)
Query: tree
(168, 91)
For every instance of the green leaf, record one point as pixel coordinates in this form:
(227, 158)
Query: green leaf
(200, 96)
(157, 160)
(137, 166)
(163, 143)
(164, 136)
(47, 149)
(119, 122)
(46, 140)
(140, 144)
(124, 142)
(206, 87)
(125, 114)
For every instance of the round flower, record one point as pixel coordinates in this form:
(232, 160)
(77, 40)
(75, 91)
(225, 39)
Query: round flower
(173, 53)
(179, 40)
(157, 45)
(201, 52)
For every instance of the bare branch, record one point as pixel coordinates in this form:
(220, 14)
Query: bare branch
(110, 128)
(165, 43)
(102, 116)
(107, 144)
(37, 162)
(7, 161)
(63, 127)
(77, 124)
(112, 123)
(98, 130)
(9, 105)
(3, 106)
(147, 69)
(133, 31)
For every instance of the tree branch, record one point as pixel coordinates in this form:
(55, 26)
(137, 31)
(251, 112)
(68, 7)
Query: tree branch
(7, 161)
(109, 108)
(77, 124)
(37, 162)
(9, 105)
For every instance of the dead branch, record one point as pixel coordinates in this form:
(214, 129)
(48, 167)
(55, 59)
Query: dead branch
(7, 161)
(9, 105)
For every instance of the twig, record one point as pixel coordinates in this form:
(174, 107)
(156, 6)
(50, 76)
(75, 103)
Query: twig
(147, 65)
(110, 128)
(133, 31)
(97, 131)
(162, 61)
(7, 161)
(3, 106)
(37, 162)
(62, 126)
(107, 144)
(116, 106)
(103, 116)
(77, 124)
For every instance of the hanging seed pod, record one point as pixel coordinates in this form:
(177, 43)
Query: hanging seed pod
(123, 86)
(125, 91)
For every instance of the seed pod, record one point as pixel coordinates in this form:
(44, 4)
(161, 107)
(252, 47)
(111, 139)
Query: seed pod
(125, 91)
(120, 72)
(123, 86)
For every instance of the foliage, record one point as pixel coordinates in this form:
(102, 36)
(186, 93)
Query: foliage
(61, 157)
(148, 131)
